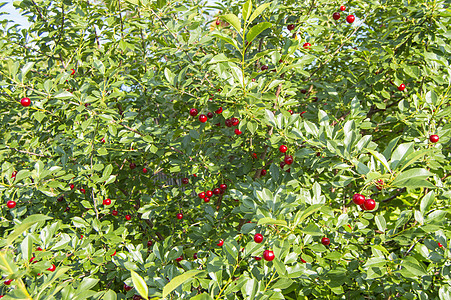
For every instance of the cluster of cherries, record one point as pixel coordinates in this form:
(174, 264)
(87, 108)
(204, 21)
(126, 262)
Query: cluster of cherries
(228, 122)
(216, 191)
(365, 204)
(288, 159)
(336, 16)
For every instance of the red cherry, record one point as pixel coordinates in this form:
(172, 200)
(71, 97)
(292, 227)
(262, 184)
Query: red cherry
(206, 200)
(254, 155)
(221, 242)
(185, 180)
(83, 191)
(290, 111)
(52, 268)
(113, 253)
(283, 148)
(25, 102)
(336, 16)
(13, 175)
(67, 209)
(71, 186)
(325, 241)
(209, 193)
(73, 72)
(303, 261)
(253, 79)
(39, 249)
(203, 118)
(114, 212)
(217, 22)
(258, 238)
(193, 112)
(149, 243)
(179, 216)
(216, 191)
(103, 140)
(132, 166)
(288, 159)
(81, 236)
(264, 67)
(302, 113)
(210, 115)
(11, 204)
(263, 172)
(223, 186)
(434, 138)
(107, 201)
(282, 164)
(7, 282)
(179, 258)
(402, 87)
(32, 259)
(137, 297)
(257, 258)
(291, 27)
(195, 255)
(194, 175)
(440, 245)
(358, 199)
(238, 132)
(268, 255)
(219, 110)
(144, 170)
(235, 121)
(342, 8)
(350, 19)
(228, 123)
(201, 195)
(128, 217)
(369, 204)
(307, 45)
(127, 288)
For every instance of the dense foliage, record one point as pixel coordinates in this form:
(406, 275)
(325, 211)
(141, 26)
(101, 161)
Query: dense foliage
(190, 150)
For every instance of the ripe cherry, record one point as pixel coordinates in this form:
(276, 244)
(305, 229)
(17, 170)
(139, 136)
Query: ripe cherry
(216, 191)
(201, 195)
(350, 19)
(221, 242)
(258, 238)
(336, 16)
(67, 209)
(39, 249)
(219, 110)
(7, 282)
(282, 164)
(283, 148)
(268, 255)
(257, 258)
(128, 217)
(179, 216)
(193, 112)
(127, 288)
(238, 132)
(207, 199)
(114, 212)
(291, 27)
(369, 204)
(440, 245)
(325, 241)
(223, 186)
(144, 170)
(303, 261)
(185, 180)
(217, 22)
(203, 118)
(358, 199)
(52, 268)
(263, 172)
(209, 193)
(72, 186)
(195, 255)
(179, 258)
(210, 115)
(149, 243)
(107, 201)
(235, 121)
(288, 159)
(83, 191)
(264, 67)
(342, 8)
(13, 175)
(401, 87)
(434, 138)
(11, 204)
(137, 297)
(307, 45)
(290, 111)
(25, 102)
(253, 79)
(132, 166)
(254, 155)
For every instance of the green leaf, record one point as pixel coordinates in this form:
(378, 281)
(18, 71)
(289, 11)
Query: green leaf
(426, 202)
(258, 11)
(176, 281)
(413, 266)
(233, 20)
(60, 271)
(169, 76)
(380, 158)
(269, 220)
(110, 295)
(381, 223)
(270, 117)
(413, 178)
(247, 9)
(26, 69)
(27, 223)
(256, 30)
(301, 215)
(227, 39)
(63, 95)
(140, 285)
(203, 296)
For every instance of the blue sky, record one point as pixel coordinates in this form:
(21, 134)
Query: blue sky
(13, 14)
